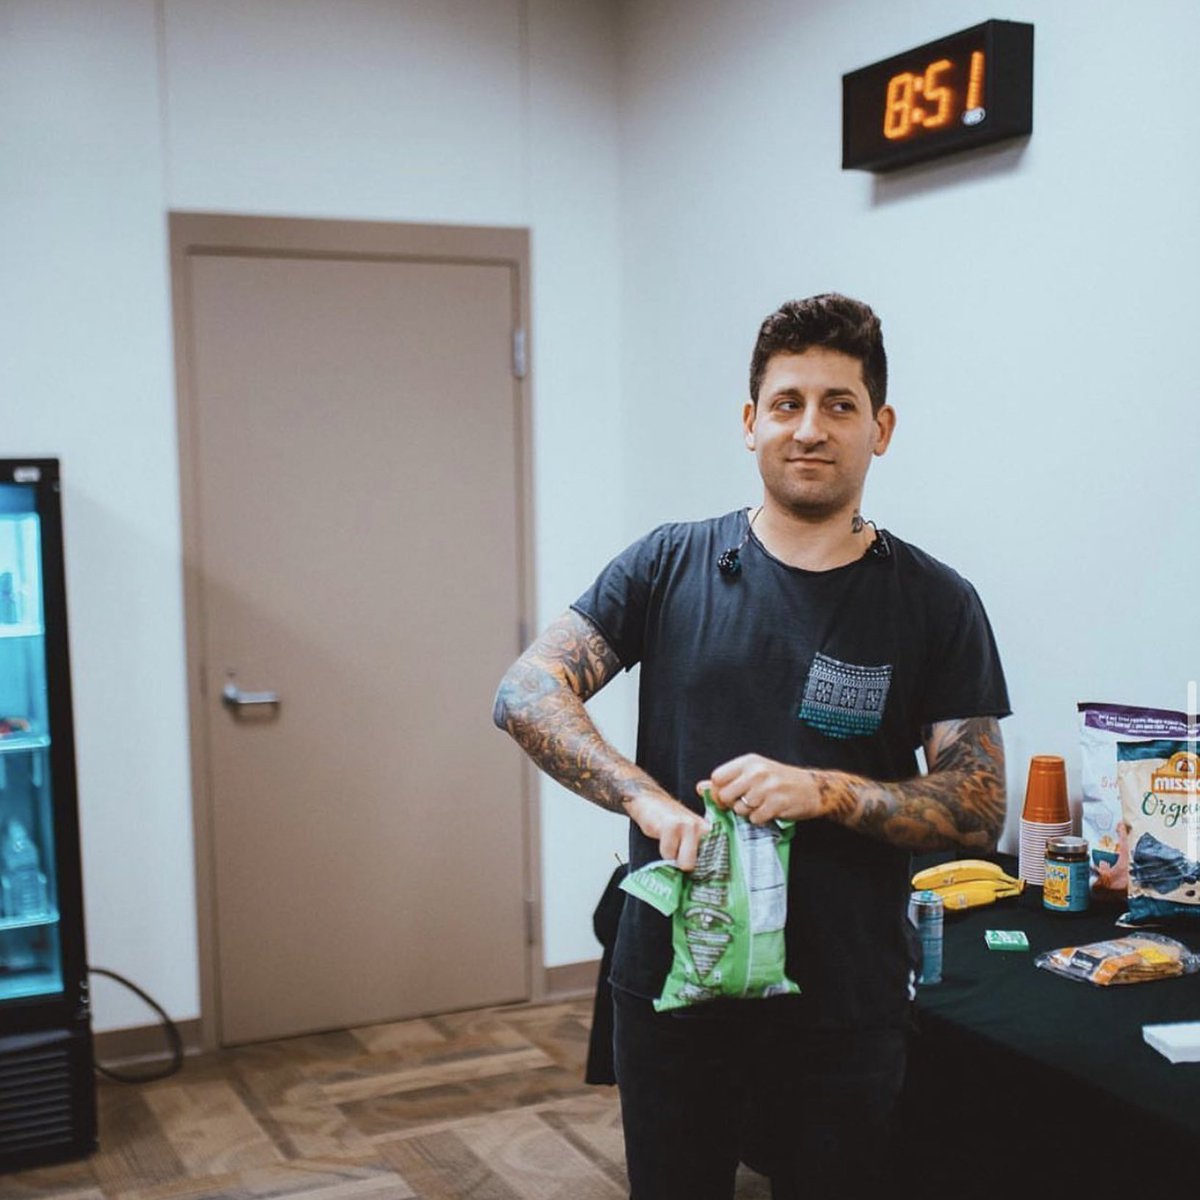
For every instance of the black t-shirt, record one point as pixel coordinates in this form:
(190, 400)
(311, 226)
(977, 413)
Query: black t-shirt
(838, 669)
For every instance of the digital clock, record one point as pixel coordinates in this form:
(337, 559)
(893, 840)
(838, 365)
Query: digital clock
(962, 91)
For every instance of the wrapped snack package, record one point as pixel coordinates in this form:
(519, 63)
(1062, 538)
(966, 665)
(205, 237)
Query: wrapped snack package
(1102, 726)
(1159, 784)
(1134, 959)
(727, 915)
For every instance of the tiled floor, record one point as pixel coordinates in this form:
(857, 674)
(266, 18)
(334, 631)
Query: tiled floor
(485, 1105)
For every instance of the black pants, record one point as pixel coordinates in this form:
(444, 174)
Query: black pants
(704, 1088)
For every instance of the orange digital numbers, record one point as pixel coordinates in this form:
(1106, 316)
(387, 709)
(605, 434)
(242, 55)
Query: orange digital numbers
(975, 84)
(937, 92)
(898, 110)
(908, 95)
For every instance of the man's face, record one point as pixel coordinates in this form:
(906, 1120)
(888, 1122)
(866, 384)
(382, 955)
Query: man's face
(813, 432)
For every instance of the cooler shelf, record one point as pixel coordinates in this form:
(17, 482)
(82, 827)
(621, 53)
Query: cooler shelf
(21, 985)
(15, 742)
(46, 918)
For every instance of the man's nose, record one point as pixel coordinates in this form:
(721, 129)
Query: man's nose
(810, 430)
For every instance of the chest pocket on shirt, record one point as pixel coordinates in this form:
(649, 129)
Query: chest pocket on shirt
(844, 700)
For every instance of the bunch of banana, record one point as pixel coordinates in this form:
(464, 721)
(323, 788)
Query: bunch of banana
(967, 883)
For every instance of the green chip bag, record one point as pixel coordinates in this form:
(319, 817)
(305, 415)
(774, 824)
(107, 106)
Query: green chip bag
(727, 916)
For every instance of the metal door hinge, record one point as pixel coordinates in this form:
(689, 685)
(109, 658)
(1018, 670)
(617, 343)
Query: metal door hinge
(530, 922)
(520, 358)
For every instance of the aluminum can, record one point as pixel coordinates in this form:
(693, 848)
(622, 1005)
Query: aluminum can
(927, 913)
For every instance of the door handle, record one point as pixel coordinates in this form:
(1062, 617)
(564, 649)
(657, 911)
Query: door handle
(234, 698)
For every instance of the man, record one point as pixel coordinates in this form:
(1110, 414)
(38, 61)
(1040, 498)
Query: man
(792, 659)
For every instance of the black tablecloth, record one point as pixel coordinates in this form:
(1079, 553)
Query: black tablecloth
(1018, 1077)
(1012, 1063)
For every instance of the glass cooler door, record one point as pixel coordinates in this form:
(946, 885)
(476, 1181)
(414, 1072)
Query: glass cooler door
(30, 953)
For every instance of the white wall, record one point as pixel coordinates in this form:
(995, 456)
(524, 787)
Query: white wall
(404, 111)
(86, 375)
(1038, 300)
(113, 112)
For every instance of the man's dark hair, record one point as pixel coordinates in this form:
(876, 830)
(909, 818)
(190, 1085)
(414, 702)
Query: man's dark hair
(830, 320)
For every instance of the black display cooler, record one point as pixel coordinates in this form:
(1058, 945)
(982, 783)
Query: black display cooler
(47, 1089)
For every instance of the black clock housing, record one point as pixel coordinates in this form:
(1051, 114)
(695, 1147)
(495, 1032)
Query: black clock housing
(965, 90)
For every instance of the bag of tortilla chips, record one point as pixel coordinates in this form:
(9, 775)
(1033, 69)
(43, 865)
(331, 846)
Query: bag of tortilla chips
(1159, 783)
(727, 915)
(1102, 726)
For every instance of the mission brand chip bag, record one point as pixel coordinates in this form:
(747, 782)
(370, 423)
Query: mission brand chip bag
(1102, 726)
(727, 916)
(1159, 783)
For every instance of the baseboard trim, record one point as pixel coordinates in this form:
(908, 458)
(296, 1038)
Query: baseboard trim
(148, 1042)
(144, 1042)
(572, 979)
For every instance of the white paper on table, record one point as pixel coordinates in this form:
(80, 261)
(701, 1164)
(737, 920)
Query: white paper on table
(1180, 1042)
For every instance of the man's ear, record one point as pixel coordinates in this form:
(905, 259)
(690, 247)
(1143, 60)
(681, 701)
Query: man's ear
(749, 411)
(885, 426)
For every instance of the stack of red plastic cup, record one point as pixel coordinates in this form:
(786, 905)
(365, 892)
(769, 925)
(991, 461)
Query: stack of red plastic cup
(1046, 815)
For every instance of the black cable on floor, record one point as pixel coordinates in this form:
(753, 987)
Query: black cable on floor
(174, 1040)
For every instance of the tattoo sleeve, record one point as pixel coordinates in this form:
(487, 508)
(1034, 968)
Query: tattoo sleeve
(540, 703)
(959, 803)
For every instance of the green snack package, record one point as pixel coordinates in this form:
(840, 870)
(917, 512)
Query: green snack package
(727, 916)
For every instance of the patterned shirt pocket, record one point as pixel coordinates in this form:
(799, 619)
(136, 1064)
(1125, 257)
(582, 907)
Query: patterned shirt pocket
(844, 700)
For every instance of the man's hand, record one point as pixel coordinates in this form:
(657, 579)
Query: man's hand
(763, 790)
(958, 805)
(674, 826)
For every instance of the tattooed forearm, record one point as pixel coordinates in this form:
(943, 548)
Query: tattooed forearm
(540, 703)
(959, 803)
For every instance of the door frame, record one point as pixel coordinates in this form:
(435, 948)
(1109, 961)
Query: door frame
(202, 234)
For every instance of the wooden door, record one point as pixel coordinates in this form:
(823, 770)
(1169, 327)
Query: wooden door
(355, 444)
